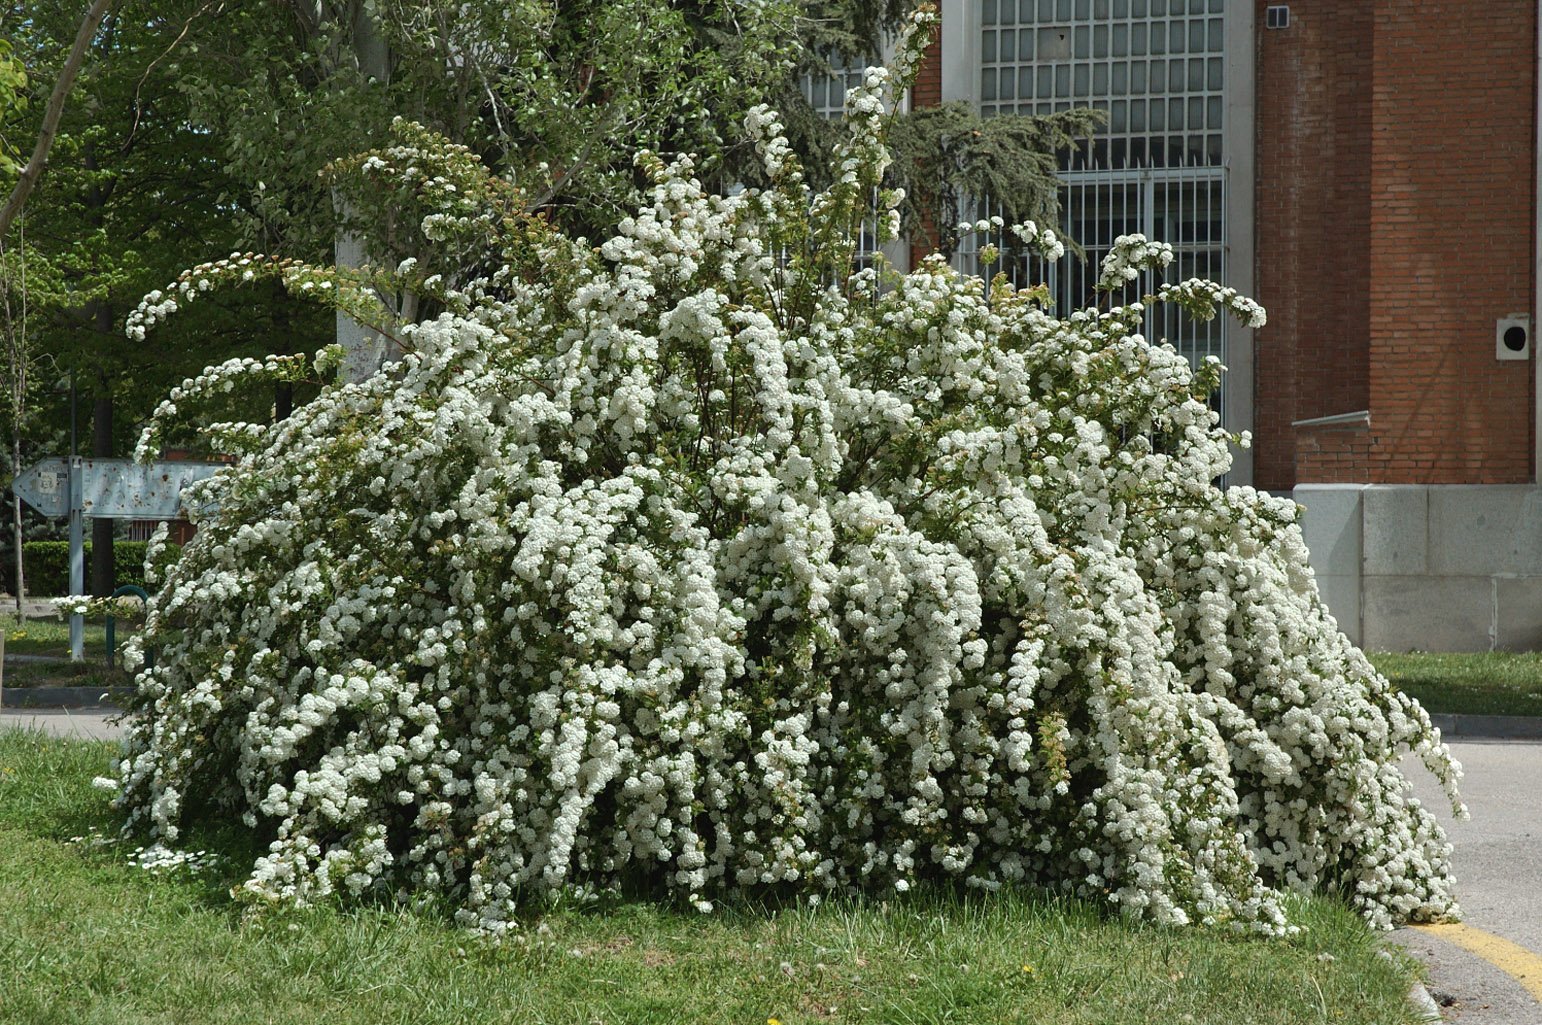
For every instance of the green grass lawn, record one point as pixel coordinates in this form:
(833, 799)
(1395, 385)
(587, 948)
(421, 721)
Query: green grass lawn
(88, 939)
(52, 637)
(91, 673)
(1471, 683)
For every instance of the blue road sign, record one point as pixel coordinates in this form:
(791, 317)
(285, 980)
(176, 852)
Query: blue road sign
(119, 489)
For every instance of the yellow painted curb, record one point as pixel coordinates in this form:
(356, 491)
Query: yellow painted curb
(1511, 958)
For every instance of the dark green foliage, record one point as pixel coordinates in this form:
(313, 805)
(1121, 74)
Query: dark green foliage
(48, 564)
(948, 154)
(945, 156)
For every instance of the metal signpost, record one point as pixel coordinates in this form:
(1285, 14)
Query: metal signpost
(114, 489)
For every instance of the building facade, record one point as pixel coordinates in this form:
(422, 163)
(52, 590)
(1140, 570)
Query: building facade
(1367, 171)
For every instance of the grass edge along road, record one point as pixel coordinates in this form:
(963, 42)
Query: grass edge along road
(1468, 682)
(91, 939)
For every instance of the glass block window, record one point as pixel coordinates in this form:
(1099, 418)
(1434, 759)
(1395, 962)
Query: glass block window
(1153, 66)
(826, 93)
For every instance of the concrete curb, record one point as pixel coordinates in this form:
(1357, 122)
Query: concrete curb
(1488, 727)
(1467, 727)
(32, 660)
(1418, 995)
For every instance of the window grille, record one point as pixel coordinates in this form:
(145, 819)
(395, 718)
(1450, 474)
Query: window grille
(1180, 206)
(1155, 67)
(826, 90)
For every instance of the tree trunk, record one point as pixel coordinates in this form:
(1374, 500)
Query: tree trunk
(21, 573)
(102, 569)
(364, 350)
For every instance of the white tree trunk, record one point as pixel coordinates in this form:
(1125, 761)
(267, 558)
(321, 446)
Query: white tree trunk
(364, 350)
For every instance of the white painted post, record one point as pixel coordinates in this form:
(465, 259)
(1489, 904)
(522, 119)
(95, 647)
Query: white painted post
(77, 559)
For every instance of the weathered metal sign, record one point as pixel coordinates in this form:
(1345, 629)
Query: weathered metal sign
(45, 486)
(114, 489)
(123, 490)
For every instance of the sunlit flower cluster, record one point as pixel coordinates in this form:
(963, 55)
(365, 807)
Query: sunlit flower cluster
(1130, 255)
(685, 565)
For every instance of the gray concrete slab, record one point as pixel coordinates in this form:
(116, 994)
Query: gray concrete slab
(1427, 613)
(1498, 860)
(1395, 534)
(1485, 529)
(1518, 613)
(1330, 525)
(1342, 596)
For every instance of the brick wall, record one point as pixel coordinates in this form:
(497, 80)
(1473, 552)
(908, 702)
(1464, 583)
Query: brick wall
(1313, 226)
(1332, 454)
(1394, 224)
(927, 92)
(1452, 219)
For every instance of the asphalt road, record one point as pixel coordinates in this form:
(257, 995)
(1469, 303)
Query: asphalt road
(1498, 863)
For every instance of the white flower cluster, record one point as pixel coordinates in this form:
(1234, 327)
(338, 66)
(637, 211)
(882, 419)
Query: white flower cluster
(95, 608)
(1201, 297)
(1130, 255)
(682, 567)
(160, 304)
(1041, 240)
(216, 382)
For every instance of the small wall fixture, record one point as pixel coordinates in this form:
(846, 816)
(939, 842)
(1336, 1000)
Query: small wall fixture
(1277, 16)
(1512, 337)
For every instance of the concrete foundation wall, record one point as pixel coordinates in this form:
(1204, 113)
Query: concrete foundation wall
(1429, 567)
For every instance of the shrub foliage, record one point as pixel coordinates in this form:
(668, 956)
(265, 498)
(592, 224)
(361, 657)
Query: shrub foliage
(698, 561)
(48, 564)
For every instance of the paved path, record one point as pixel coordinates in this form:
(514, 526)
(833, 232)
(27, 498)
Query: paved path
(1498, 863)
(92, 724)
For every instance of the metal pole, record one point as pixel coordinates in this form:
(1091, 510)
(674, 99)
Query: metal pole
(77, 557)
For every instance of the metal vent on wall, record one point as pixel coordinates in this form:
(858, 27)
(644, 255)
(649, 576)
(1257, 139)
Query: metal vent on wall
(1512, 337)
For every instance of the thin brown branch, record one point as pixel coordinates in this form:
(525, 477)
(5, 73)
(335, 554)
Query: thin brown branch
(139, 86)
(52, 114)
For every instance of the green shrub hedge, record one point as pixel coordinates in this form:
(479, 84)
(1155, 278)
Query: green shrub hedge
(48, 565)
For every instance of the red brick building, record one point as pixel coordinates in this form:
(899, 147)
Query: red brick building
(1396, 152)
(1368, 171)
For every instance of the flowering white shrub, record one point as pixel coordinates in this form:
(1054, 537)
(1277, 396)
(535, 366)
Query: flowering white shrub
(696, 561)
